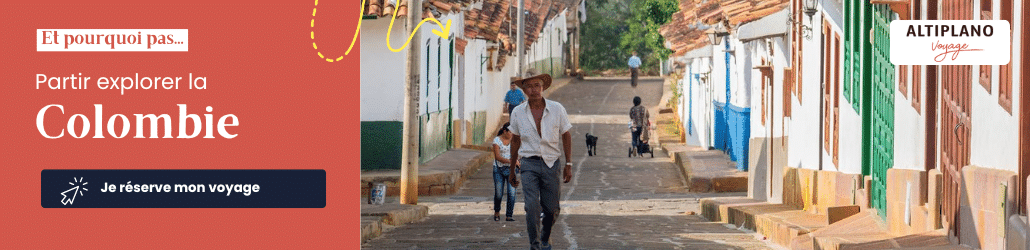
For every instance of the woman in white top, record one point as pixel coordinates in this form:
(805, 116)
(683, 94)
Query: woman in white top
(502, 151)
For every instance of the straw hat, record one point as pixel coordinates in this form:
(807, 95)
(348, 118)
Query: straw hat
(532, 72)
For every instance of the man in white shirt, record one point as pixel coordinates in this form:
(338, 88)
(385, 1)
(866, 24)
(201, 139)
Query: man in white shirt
(541, 133)
(634, 68)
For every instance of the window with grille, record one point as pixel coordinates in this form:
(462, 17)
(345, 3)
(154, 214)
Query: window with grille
(903, 80)
(1005, 71)
(917, 74)
(831, 91)
(796, 46)
(836, 97)
(985, 70)
(917, 81)
(788, 80)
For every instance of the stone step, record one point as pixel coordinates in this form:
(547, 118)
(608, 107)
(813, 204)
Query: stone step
(374, 217)
(780, 223)
(443, 175)
(867, 230)
(371, 227)
(707, 170)
(395, 214)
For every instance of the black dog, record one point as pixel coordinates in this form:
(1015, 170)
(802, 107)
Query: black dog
(591, 145)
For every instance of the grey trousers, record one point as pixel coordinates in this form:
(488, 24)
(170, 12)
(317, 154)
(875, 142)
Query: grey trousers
(542, 190)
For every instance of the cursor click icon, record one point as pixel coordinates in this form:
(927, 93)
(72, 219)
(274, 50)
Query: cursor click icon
(78, 190)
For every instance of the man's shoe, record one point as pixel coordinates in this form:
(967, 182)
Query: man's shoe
(545, 246)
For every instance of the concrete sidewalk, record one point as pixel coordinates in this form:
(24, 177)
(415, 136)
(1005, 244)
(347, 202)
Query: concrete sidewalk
(703, 170)
(375, 219)
(707, 170)
(442, 175)
(613, 202)
(809, 219)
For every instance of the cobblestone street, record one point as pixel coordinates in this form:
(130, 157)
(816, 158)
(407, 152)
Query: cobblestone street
(613, 202)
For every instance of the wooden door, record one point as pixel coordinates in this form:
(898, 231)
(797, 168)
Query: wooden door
(1024, 109)
(956, 82)
(882, 101)
(931, 102)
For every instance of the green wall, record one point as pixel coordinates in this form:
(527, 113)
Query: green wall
(551, 65)
(381, 145)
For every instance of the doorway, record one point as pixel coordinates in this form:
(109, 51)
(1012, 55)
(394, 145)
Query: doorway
(956, 81)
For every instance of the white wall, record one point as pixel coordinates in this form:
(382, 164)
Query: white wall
(910, 121)
(549, 43)
(909, 125)
(718, 77)
(995, 132)
(702, 94)
(436, 79)
(382, 78)
(760, 50)
(849, 157)
(485, 89)
(741, 74)
(805, 122)
(382, 90)
(687, 87)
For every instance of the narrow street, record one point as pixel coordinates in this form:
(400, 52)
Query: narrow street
(613, 202)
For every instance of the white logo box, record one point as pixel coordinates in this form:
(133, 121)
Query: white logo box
(934, 42)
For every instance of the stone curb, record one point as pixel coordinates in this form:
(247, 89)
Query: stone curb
(704, 184)
(371, 227)
(395, 214)
(373, 217)
(432, 182)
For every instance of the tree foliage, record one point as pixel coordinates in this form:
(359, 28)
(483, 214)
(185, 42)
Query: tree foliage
(614, 28)
(602, 31)
(647, 17)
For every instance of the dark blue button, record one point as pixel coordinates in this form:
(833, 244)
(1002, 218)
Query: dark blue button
(110, 188)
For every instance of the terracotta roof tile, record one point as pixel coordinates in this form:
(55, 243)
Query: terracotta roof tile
(491, 21)
(382, 8)
(686, 30)
(459, 45)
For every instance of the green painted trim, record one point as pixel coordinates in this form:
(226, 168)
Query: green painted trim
(547, 66)
(381, 145)
(866, 87)
(882, 115)
(432, 142)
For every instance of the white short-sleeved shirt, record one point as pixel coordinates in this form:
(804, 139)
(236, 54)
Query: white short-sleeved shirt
(553, 124)
(505, 151)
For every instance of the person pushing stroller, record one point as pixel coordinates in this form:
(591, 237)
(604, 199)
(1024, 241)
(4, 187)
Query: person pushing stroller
(640, 126)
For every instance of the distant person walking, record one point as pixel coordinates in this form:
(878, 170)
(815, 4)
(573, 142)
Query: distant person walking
(641, 123)
(541, 133)
(513, 98)
(634, 68)
(502, 165)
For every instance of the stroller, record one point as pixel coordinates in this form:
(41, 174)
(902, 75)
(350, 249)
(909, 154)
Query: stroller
(644, 146)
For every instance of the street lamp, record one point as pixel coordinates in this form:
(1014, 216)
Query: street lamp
(715, 34)
(810, 8)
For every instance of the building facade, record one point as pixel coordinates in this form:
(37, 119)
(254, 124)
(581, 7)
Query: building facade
(462, 79)
(833, 123)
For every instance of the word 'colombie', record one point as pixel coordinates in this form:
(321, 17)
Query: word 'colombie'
(155, 121)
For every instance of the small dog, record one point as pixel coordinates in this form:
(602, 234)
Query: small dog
(591, 145)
